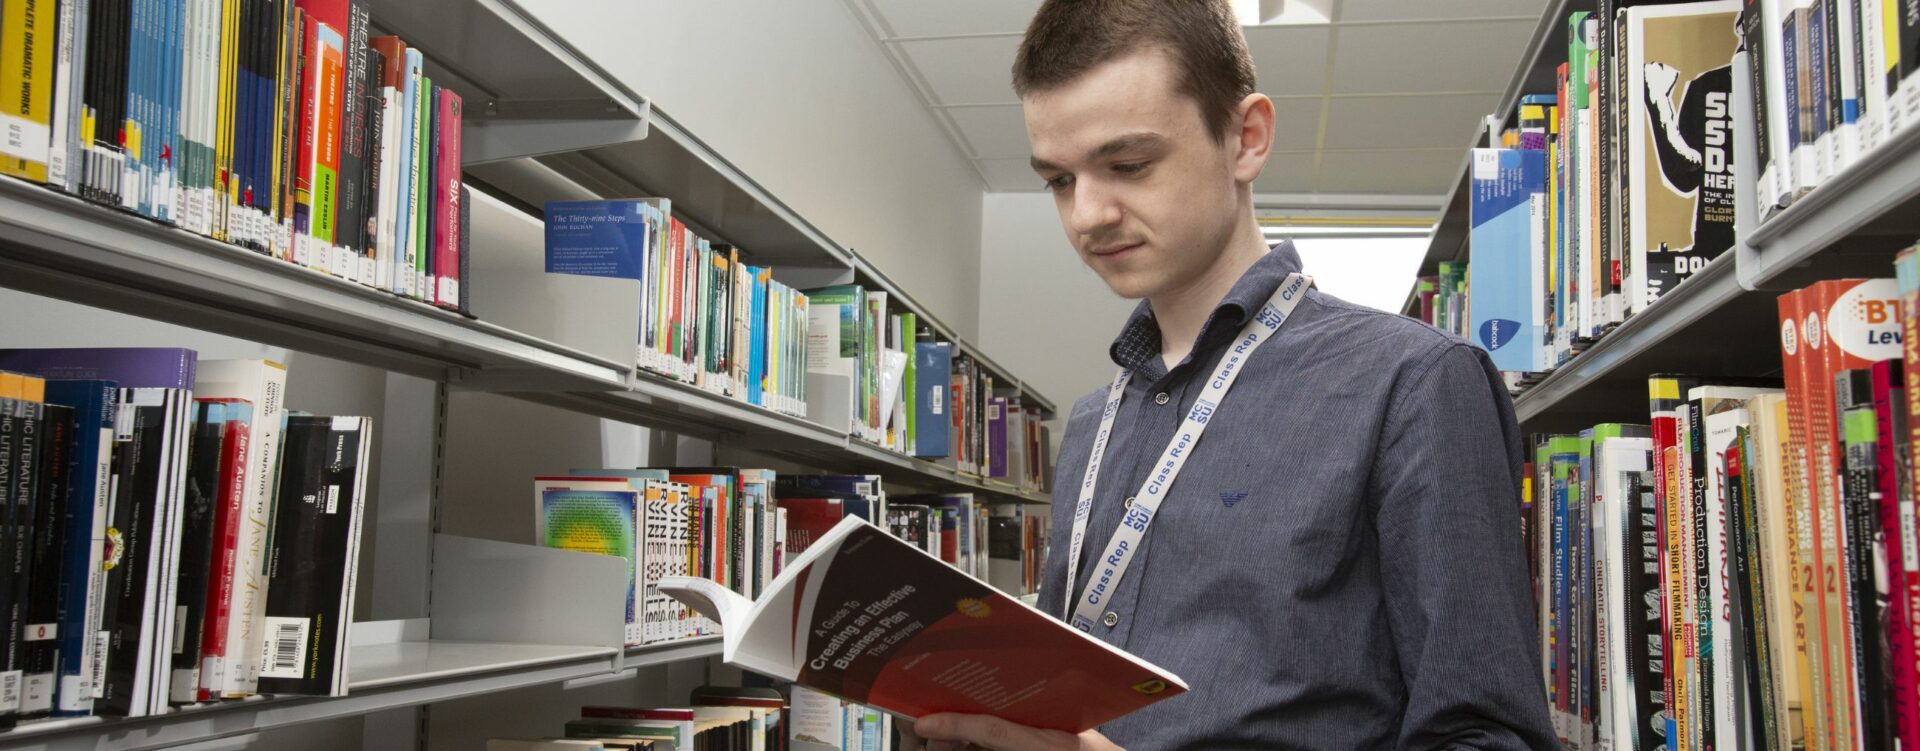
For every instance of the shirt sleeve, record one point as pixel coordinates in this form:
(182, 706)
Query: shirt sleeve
(1446, 488)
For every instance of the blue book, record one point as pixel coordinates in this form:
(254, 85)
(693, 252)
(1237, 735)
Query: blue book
(82, 583)
(1506, 262)
(758, 349)
(600, 238)
(933, 366)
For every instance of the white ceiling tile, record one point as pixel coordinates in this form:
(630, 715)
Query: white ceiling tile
(1430, 172)
(993, 132)
(965, 71)
(1289, 60)
(913, 18)
(1395, 10)
(1296, 124)
(1286, 172)
(1406, 122)
(1419, 58)
(1010, 176)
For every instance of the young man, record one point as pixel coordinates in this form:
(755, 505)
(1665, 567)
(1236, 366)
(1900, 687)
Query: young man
(1339, 564)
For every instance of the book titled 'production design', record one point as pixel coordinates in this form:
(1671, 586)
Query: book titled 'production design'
(872, 619)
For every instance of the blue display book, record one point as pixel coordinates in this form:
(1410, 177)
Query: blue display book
(933, 361)
(601, 238)
(1506, 267)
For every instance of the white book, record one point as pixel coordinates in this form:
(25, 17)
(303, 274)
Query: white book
(1616, 461)
(1723, 417)
(1873, 88)
(262, 383)
(1776, 177)
(63, 169)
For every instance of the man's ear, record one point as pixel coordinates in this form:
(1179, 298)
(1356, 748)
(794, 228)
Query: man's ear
(1252, 137)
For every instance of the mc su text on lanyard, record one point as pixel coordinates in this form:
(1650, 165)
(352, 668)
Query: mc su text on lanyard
(1111, 566)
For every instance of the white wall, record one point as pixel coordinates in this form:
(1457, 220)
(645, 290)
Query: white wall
(802, 99)
(1049, 319)
(1043, 314)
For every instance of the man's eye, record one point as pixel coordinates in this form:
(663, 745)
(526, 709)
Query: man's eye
(1059, 183)
(1130, 168)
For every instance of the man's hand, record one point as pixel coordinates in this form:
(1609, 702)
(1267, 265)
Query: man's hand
(957, 732)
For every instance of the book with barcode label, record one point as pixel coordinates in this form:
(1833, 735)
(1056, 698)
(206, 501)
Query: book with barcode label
(316, 542)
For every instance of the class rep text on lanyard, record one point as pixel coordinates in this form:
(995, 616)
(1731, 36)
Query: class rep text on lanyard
(1110, 567)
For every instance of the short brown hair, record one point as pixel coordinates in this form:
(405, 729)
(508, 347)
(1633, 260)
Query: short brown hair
(1067, 38)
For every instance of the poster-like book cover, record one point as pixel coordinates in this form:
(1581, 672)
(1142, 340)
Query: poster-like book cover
(1680, 143)
(871, 619)
(1507, 266)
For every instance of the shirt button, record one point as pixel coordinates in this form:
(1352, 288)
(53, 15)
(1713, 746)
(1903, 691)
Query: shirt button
(1112, 619)
(1161, 398)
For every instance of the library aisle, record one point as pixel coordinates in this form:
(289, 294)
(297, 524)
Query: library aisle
(591, 374)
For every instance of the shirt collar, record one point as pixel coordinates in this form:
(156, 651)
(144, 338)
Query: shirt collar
(1137, 348)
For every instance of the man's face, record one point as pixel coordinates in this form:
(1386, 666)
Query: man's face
(1146, 194)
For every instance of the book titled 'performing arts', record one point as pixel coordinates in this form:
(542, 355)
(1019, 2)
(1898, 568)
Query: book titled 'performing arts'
(874, 620)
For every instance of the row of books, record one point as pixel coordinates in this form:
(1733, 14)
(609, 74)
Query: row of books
(177, 535)
(710, 319)
(707, 317)
(1610, 191)
(716, 719)
(919, 396)
(1740, 570)
(739, 526)
(1833, 80)
(276, 125)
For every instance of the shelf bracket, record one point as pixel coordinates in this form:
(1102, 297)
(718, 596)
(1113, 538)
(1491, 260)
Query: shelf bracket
(496, 140)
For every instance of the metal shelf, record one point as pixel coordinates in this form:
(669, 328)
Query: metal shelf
(1709, 325)
(60, 246)
(718, 200)
(382, 676)
(1877, 195)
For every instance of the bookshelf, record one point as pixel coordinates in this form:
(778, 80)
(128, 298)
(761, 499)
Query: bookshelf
(1722, 321)
(546, 122)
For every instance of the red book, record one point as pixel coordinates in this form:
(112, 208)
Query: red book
(722, 492)
(446, 199)
(333, 13)
(1889, 404)
(308, 115)
(809, 519)
(228, 516)
(870, 618)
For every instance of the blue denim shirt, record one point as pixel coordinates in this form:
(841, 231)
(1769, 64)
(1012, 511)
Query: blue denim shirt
(1339, 566)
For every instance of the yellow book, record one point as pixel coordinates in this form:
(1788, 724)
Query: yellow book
(26, 87)
(224, 192)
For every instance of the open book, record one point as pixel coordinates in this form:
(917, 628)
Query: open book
(871, 619)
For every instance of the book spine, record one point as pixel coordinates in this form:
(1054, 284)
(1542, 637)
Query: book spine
(68, 58)
(1892, 471)
(447, 203)
(217, 641)
(1859, 434)
(422, 254)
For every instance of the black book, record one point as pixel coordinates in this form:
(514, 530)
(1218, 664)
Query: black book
(141, 464)
(351, 223)
(1746, 642)
(466, 252)
(314, 558)
(1643, 616)
(12, 439)
(200, 501)
(1860, 498)
(103, 96)
(41, 638)
(375, 108)
(1697, 443)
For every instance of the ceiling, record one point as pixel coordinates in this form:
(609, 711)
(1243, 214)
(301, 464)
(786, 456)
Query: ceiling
(1379, 99)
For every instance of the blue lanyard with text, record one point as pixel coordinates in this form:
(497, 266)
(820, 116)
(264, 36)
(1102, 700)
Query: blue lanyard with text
(1110, 567)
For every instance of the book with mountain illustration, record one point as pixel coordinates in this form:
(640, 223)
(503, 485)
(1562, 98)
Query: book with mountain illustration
(872, 619)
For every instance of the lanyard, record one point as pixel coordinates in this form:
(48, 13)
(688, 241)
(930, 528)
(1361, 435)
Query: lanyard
(1112, 566)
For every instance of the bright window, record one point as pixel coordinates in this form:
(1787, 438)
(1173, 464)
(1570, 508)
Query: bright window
(1377, 272)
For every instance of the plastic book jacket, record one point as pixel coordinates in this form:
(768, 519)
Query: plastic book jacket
(871, 619)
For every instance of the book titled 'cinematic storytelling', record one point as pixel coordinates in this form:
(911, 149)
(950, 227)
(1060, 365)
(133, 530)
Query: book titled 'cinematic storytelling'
(870, 618)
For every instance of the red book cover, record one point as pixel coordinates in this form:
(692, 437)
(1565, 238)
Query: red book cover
(872, 619)
(446, 201)
(228, 516)
(1798, 368)
(1889, 407)
(809, 519)
(309, 112)
(333, 13)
